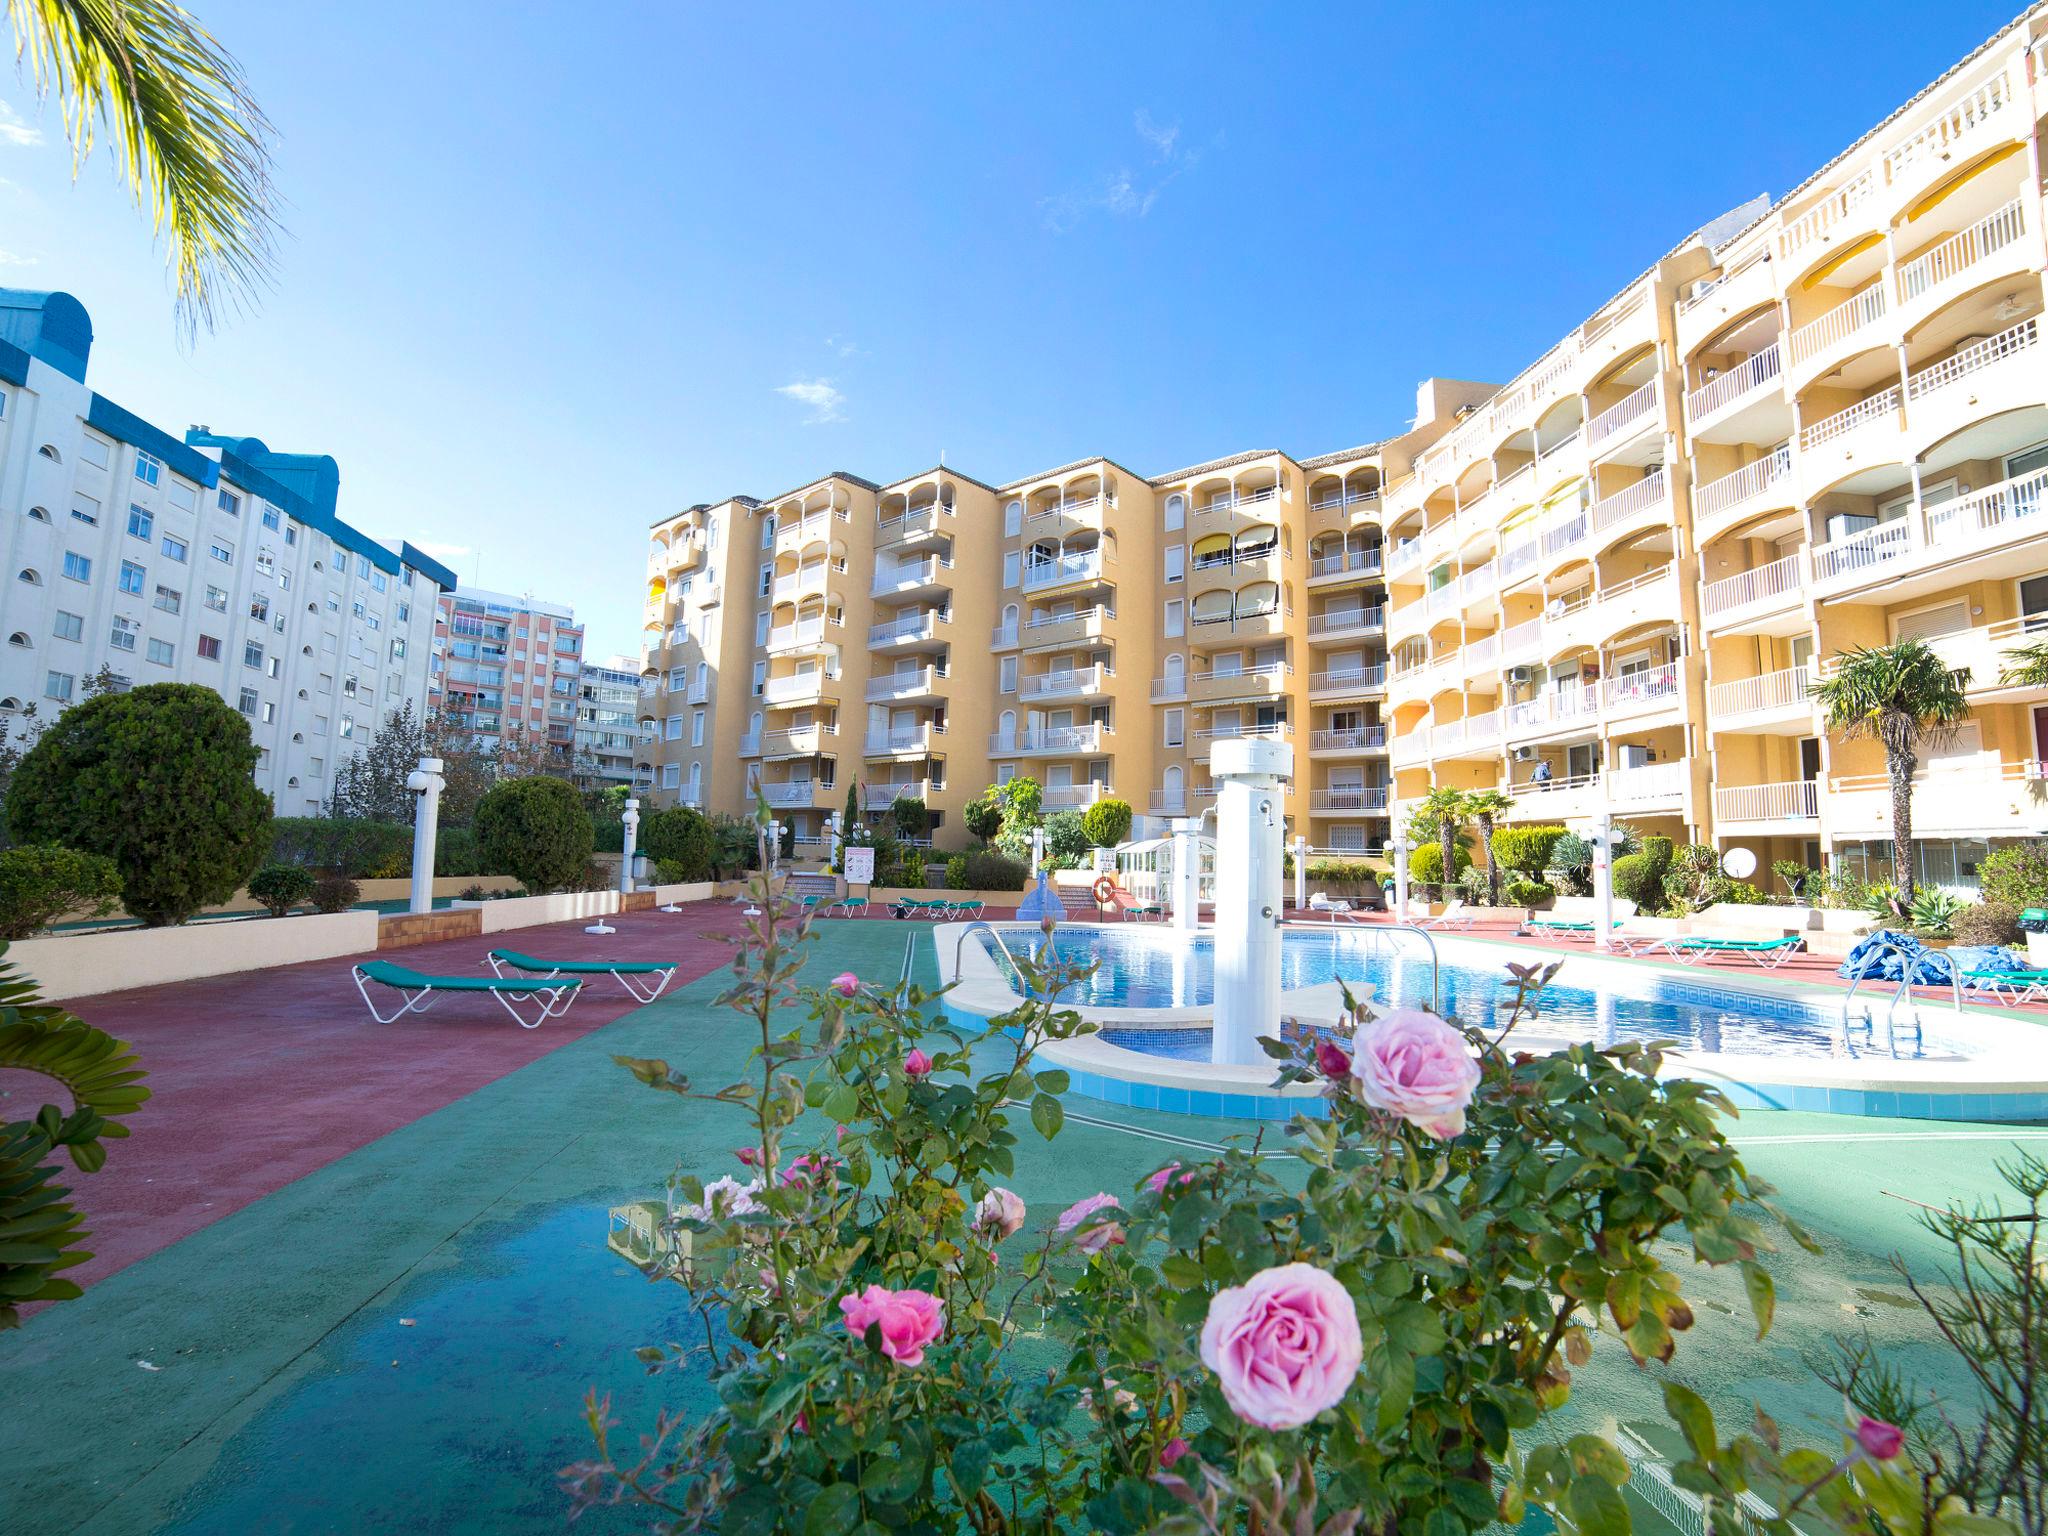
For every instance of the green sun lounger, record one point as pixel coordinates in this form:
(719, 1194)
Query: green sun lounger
(659, 973)
(1558, 925)
(2009, 987)
(546, 996)
(1689, 949)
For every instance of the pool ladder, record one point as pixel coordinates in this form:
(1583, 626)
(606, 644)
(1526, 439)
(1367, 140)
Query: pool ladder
(1436, 972)
(1902, 995)
(983, 925)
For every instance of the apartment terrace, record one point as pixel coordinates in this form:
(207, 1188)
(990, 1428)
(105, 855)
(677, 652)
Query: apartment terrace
(1051, 740)
(1067, 682)
(1935, 543)
(797, 741)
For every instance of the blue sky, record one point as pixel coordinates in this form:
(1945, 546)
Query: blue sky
(546, 282)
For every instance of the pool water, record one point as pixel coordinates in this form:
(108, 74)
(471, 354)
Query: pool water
(1590, 1000)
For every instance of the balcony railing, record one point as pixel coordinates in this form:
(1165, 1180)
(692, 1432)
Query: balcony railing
(1730, 491)
(1073, 797)
(1837, 325)
(1341, 620)
(1070, 508)
(1627, 502)
(1065, 682)
(1247, 555)
(910, 573)
(1956, 123)
(1763, 694)
(1366, 738)
(1973, 359)
(1343, 503)
(1862, 413)
(1565, 705)
(798, 792)
(913, 523)
(1084, 565)
(1361, 799)
(1645, 688)
(904, 685)
(1465, 735)
(904, 738)
(1990, 510)
(1622, 415)
(1374, 676)
(799, 581)
(1169, 802)
(1267, 730)
(914, 626)
(1364, 562)
(882, 794)
(1753, 372)
(805, 738)
(1829, 212)
(1047, 738)
(1876, 546)
(1239, 501)
(1167, 689)
(1781, 578)
(804, 632)
(1270, 671)
(1959, 252)
(1796, 801)
(1651, 781)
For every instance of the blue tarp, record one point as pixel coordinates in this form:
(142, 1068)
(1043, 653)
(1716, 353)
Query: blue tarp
(1884, 955)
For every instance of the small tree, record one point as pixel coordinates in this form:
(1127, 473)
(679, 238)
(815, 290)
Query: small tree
(682, 837)
(280, 887)
(1485, 805)
(909, 817)
(984, 818)
(850, 817)
(1066, 839)
(1442, 815)
(159, 781)
(1107, 822)
(1902, 696)
(41, 883)
(536, 830)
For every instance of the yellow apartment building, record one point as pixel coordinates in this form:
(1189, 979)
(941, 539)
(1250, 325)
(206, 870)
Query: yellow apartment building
(1607, 586)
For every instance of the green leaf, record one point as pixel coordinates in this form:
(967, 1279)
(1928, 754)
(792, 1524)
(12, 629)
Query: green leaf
(1052, 1080)
(1596, 1507)
(841, 1102)
(833, 1511)
(1047, 1115)
(1763, 1294)
(1693, 1417)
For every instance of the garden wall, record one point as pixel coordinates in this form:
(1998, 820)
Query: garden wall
(82, 964)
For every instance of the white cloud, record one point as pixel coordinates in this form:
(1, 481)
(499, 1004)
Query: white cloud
(15, 133)
(442, 551)
(824, 400)
(1161, 139)
(839, 346)
(1124, 193)
(13, 259)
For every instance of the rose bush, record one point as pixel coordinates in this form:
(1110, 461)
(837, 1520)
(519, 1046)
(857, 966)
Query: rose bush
(1362, 1331)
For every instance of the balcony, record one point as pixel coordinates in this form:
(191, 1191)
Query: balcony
(917, 684)
(1046, 630)
(1349, 800)
(811, 579)
(882, 794)
(1760, 370)
(1982, 649)
(1980, 796)
(1169, 802)
(1648, 498)
(1352, 505)
(1933, 277)
(1368, 738)
(1169, 690)
(911, 527)
(1722, 498)
(1218, 685)
(906, 739)
(1345, 562)
(1570, 707)
(1975, 383)
(1060, 519)
(1066, 682)
(1347, 623)
(1642, 692)
(1265, 730)
(801, 741)
(1653, 786)
(801, 688)
(1926, 153)
(797, 794)
(913, 578)
(700, 691)
(906, 630)
(1623, 422)
(1864, 555)
(1073, 797)
(1049, 740)
(1063, 570)
(1771, 599)
(1473, 736)
(1770, 701)
(1988, 519)
(1826, 337)
(1340, 683)
(1830, 211)
(816, 528)
(805, 635)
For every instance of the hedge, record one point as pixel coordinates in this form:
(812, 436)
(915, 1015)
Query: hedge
(1426, 863)
(681, 837)
(42, 882)
(985, 870)
(1525, 850)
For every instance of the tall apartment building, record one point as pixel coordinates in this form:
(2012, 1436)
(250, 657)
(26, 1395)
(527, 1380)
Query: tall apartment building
(607, 717)
(508, 667)
(206, 558)
(1606, 586)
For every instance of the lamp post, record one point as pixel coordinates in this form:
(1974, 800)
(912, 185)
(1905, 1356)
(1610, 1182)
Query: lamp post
(1300, 874)
(1603, 881)
(425, 782)
(1400, 847)
(631, 820)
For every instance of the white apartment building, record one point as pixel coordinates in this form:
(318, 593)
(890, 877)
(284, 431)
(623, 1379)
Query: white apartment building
(207, 558)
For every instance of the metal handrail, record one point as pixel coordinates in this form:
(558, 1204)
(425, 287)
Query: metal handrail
(1903, 992)
(1436, 988)
(994, 933)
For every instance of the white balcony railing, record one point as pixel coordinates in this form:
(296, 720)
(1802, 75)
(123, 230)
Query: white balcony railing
(1863, 552)
(1958, 122)
(1717, 497)
(798, 792)
(1169, 802)
(1356, 799)
(1622, 415)
(1798, 801)
(1065, 681)
(1959, 252)
(802, 685)
(1367, 738)
(1342, 503)
(1837, 325)
(1563, 531)
(1967, 519)
(1073, 797)
(1652, 781)
(1646, 493)
(905, 685)
(1753, 372)
(804, 632)
(1827, 213)
(1268, 730)
(1341, 620)
(883, 793)
(1518, 639)
(1764, 694)
(1883, 404)
(910, 573)
(1373, 676)
(1083, 565)
(1047, 738)
(903, 738)
(1779, 579)
(1646, 688)
(1362, 562)
(1973, 359)
(1264, 673)
(910, 626)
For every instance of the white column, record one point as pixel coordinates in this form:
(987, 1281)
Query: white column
(1187, 872)
(1603, 882)
(1037, 849)
(1400, 847)
(1300, 874)
(426, 783)
(1251, 774)
(626, 848)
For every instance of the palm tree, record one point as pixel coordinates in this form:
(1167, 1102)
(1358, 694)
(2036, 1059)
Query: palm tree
(189, 140)
(2026, 666)
(1899, 695)
(1484, 805)
(1443, 812)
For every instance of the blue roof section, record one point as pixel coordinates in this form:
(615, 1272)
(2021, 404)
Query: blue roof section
(50, 326)
(431, 568)
(125, 426)
(13, 363)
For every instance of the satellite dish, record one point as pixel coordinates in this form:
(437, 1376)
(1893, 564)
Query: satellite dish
(1738, 863)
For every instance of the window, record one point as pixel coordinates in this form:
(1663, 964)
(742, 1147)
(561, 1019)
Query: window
(183, 497)
(1176, 728)
(319, 725)
(398, 650)
(333, 603)
(209, 648)
(378, 583)
(348, 727)
(169, 599)
(252, 654)
(1176, 563)
(216, 599)
(768, 530)
(177, 549)
(767, 579)
(141, 522)
(272, 518)
(760, 678)
(69, 626)
(1176, 512)
(148, 467)
(761, 628)
(266, 562)
(162, 652)
(93, 450)
(1176, 617)
(697, 728)
(1013, 519)
(132, 576)
(1010, 567)
(349, 685)
(57, 685)
(269, 714)
(259, 608)
(123, 635)
(1006, 681)
(86, 510)
(672, 728)
(224, 553)
(362, 566)
(228, 502)
(247, 703)
(77, 567)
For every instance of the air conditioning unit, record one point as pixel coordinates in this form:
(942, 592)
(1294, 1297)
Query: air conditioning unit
(1524, 754)
(1519, 676)
(1840, 525)
(1636, 757)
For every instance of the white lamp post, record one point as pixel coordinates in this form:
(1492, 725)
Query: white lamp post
(1400, 847)
(1603, 882)
(426, 782)
(1187, 872)
(1300, 874)
(632, 824)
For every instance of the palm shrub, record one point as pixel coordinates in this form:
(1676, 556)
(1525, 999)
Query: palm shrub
(1107, 822)
(734, 847)
(42, 882)
(681, 837)
(102, 1085)
(536, 830)
(1485, 806)
(280, 887)
(1934, 911)
(1442, 816)
(1572, 857)
(1902, 696)
(159, 781)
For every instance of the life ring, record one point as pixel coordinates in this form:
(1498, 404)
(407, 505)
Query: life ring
(1104, 888)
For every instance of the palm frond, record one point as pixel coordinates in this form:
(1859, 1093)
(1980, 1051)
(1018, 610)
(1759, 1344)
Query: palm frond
(2026, 666)
(1875, 690)
(189, 139)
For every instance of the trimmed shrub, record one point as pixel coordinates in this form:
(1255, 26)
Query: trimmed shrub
(1426, 864)
(1345, 871)
(1528, 893)
(280, 887)
(909, 817)
(159, 780)
(1639, 877)
(1526, 850)
(43, 882)
(335, 893)
(1066, 840)
(535, 830)
(682, 837)
(2015, 876)
(343, 845)
(1986, 922)
(1107, 822)
(985, 870)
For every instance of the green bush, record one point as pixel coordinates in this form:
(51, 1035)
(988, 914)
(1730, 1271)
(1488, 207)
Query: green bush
(1066, 840)
(2016, 876)
(985, 870)
(1107, 822)
(1987, 922)
(335, 893)
(535, 830)
(1639, 877)
(158, 780)
(984, 818)
(1935, 911)
(956, 873)
(456, 855)
(683, 837)
(909, 817)
(42, 882)
(280, 887)
(343, 845)
(1345, 871)
(735, 846)
(1528, 893)
(1426, 864)
(393, 866)
(1526, 850)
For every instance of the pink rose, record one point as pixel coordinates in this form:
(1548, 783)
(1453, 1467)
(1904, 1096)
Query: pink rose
(909, 1320)
(1172, 1451)
(1284, 1345)
(810, 1168)
(1412, 1064)
(845, 983)
(1331, 1060)
(1001, 1212)
(1880, 1441)
(1158, 1179)
(751, 1156)
(1098, 1236)
(803, 1424)
(917, 1065)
